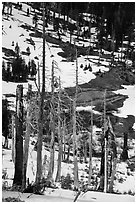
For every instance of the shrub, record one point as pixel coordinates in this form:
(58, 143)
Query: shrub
(12, 199)
(66, 182)
(130, 192)
(121, 180)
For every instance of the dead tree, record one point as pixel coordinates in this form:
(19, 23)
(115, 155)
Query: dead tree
(114, 155)
(27, 136)
(105, 146)
(52, 127)
(90, 148)
(64, 140)
(75, 149)
(40, 114)
(58, 176)
(124, 155)
(19, 137)
(13, 138)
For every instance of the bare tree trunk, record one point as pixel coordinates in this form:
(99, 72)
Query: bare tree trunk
(90, 149)
(114, 156)
(78, 30)
(68, 153)
(75, 149)
(13, 139)
(19, 137)
(40, 114)
(124, 155)
(52, 126)
(114, 164)
(58, 176)
(85, 151)
(113, 44)
(27, 137)
(105, 146)
(122, 48)
(64, 142)
(38, 78)
(70, 36)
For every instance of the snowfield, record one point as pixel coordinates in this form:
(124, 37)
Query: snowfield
(68, 196)
(129, 104)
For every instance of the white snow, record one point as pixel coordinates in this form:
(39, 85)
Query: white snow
(67, 72)
(87, 108)
(129, 104)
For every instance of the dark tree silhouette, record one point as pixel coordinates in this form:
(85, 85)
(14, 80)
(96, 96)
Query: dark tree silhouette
(5, 121)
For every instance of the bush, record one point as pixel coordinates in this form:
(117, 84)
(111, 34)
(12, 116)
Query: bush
(121, 180)
(130, 192)
(66, 182)
(12, 199)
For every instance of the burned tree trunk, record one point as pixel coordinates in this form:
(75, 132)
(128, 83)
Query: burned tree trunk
(114, 157)
(13, 138)
(64, 141)
(90, 149)
(52, 127)
(40, 114)
(19, 137)
(58, 176)
(27, 136)
(76, 179)
(124, 155)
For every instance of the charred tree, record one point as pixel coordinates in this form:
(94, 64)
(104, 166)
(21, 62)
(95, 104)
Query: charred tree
(13, 138)
(76, 179)
(124, 155)
(90, 149)
(27, 136)
(58, 176)
(19, 137)
(52, 128)
(40, 114)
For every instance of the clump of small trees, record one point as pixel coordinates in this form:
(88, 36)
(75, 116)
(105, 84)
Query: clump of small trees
(18, 70)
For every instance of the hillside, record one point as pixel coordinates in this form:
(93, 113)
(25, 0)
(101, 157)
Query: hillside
(99, 69)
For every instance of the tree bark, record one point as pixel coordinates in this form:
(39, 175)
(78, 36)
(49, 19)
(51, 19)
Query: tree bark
(27, 137)
(19, 137)
(64, 142)
(90, 149)
(76, 179)
(13, 138)
(124, 155)
(114, 164)
(40, 114)
(52, 126)
(58, 176)
(105, 147)
(76, 183)
(68, 153)
(114, 156)
(85, 151)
